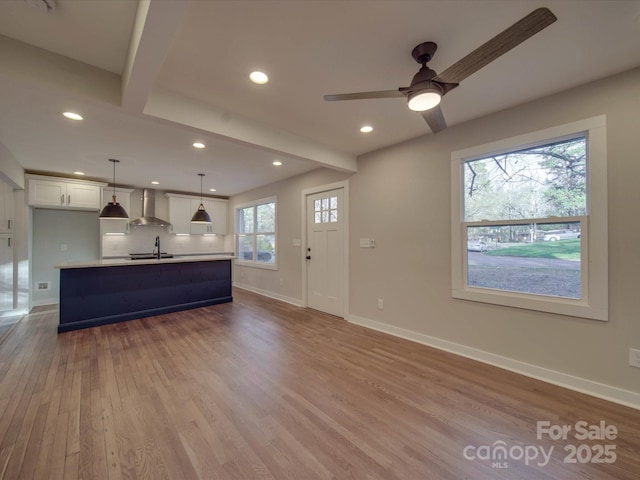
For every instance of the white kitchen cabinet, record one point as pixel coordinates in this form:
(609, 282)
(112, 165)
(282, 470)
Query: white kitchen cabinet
(64, 193)
(180, 214)
(115, 225)
(6, 272)
(6, 208)
(182, 208)
(218, 209)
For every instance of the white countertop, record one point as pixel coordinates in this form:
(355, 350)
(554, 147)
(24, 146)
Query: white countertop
(119, 262)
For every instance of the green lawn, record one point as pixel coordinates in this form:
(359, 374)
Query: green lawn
(562, 249)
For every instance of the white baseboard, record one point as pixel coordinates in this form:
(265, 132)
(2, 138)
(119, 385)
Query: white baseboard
(267, 293)
(44, 301)
(579, 384)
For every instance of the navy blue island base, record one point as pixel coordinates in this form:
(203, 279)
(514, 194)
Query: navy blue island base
(92, 296)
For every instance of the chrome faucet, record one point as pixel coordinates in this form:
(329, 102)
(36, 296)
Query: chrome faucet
(158, 247)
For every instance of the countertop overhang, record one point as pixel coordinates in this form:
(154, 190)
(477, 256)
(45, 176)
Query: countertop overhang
(121, 262)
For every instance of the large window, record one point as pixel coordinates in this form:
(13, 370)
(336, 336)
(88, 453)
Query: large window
(529, 221)
(256, 232)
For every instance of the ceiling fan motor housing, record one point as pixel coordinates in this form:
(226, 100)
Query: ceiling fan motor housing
(422, 79)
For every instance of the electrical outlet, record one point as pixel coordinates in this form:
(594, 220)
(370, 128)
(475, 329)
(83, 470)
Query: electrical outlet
(634, 357)
(281, 282)
(381, 304)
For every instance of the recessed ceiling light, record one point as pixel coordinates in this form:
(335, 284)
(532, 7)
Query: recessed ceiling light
(78, 173)
(259, 77)
(277, 163)
(212, 190)
(366, 129)
(155, 183)
(72, 115)
(198, 144)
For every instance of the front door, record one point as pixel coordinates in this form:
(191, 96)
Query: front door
(325, 252)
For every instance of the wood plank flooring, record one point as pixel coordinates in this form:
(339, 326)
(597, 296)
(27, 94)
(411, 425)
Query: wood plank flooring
(259, 389)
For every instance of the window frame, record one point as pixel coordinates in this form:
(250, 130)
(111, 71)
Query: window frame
(594, 237)
(237, 235)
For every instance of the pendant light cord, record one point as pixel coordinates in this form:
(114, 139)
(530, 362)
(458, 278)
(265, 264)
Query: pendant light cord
(114, 161)
(114, 179)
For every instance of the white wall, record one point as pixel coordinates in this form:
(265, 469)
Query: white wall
(289, 200)
(411, 265)
(10, 170)
(77, 232)
(401, 197)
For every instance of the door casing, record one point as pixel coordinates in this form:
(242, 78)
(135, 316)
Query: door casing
(344, 185)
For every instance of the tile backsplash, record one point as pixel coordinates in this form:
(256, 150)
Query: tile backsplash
(142, 240)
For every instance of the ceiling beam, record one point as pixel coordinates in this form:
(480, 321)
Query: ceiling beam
(155, 25)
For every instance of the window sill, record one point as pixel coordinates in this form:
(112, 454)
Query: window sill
(264, 266)
(542, 303)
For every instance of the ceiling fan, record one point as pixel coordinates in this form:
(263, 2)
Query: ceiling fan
(427, 87)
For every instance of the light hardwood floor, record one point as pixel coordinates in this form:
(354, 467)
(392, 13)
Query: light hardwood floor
(261, 389)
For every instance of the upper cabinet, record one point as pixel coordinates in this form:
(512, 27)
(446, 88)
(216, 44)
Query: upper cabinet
(53, 192)
(116, 225)
(218, 209)
(180, 215)
(6, 208)
(182, 208)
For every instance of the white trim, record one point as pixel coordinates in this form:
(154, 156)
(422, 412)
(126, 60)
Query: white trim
(595, 304)
(269, 294)
(578, 384)
(44, 301)
(344, 185)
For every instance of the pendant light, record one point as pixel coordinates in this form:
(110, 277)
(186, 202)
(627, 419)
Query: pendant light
(113, 210)
(201, 215)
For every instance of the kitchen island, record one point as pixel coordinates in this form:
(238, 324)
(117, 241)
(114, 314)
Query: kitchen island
(114, 290)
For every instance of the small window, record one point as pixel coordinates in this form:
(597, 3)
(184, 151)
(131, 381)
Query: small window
(256, 233)
(529, 221)
(325, 210)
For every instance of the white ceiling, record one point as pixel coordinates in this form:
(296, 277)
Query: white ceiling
(152, 80)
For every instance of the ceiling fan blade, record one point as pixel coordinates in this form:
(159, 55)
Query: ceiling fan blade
(364, 95)
(435, 119)
(499, 45)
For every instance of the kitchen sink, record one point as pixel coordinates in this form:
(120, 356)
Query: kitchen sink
(149, 256)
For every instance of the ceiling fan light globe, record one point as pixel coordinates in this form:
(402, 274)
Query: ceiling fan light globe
(424, 100)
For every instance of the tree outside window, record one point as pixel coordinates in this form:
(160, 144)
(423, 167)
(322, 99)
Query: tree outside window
(529, 221)
(535, 185)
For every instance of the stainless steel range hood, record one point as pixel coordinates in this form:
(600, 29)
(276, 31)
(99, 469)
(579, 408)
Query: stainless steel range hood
(148, 218)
